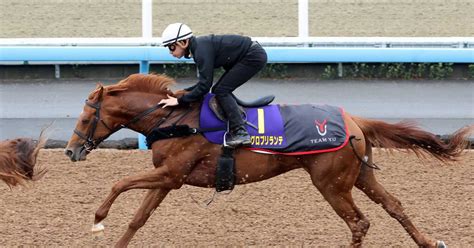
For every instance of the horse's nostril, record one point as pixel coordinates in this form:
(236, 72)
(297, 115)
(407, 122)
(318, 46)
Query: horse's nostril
(68, 152)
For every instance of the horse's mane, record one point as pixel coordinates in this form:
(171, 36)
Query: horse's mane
(18, 159)
(150, 83)
(154, 83)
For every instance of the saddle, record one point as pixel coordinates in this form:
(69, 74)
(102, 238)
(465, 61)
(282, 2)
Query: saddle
(217, 110)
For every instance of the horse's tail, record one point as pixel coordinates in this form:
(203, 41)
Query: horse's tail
(406, 135)
(18, 160)
(40, 144)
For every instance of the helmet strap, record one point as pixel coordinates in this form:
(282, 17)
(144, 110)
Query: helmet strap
(187, 51)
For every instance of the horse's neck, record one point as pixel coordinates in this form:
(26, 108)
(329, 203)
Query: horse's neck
(177, 116)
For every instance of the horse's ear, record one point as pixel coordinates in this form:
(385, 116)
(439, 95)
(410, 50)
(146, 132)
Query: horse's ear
(96, 94)
(100, 93)
(100, 90)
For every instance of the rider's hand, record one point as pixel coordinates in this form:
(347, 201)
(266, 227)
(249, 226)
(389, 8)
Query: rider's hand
(171, 101)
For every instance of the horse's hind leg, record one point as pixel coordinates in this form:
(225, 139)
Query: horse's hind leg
(375, 191)
(149, 204)
(335, 182)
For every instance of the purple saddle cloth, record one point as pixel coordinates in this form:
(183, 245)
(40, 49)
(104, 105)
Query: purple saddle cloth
(283, 129)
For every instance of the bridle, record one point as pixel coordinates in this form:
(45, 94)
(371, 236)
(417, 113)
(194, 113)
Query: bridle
(89, 137)
(92, 143)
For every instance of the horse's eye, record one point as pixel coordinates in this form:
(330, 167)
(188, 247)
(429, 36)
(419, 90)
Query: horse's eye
(85, 121)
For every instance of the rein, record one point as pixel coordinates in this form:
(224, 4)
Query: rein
(92, 143)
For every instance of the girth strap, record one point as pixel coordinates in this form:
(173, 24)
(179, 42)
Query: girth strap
(173, 131)
(176, 131)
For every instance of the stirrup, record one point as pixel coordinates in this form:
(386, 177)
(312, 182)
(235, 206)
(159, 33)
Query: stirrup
(242, 143)
(225, 140)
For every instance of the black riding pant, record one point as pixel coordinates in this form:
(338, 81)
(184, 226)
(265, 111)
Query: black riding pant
(251, 63)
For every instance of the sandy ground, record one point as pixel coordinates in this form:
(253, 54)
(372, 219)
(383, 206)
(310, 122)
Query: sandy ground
(122, 18)
(283, 211)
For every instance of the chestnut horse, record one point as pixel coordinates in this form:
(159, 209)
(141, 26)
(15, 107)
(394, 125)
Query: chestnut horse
(132, 103)
(18, 159)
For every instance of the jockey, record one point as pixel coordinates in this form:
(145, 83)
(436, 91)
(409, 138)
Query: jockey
(239, 56)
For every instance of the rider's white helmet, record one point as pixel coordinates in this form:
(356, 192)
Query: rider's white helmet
(175, 32)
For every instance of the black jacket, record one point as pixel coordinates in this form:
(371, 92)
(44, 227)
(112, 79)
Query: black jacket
(213, 51)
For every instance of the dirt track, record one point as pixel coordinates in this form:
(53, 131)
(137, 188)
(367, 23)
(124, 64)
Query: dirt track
(122, 18)
(284, 211)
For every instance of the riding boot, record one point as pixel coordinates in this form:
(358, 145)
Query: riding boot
(238, 133)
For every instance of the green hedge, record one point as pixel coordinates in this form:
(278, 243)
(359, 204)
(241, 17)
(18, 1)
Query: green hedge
(471, 71)
(407, 71)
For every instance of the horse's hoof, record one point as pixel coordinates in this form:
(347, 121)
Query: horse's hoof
(97, 227)
(441, 244)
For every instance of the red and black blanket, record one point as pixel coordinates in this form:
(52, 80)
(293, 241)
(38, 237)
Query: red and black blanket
(285, 129)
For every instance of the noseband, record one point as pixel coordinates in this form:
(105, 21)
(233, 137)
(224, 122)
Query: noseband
(92, 143)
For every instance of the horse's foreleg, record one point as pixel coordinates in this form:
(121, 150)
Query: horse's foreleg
(369, 185)
(149, 204)
(157, 178)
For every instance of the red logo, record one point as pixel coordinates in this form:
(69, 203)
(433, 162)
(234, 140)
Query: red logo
(322, 127)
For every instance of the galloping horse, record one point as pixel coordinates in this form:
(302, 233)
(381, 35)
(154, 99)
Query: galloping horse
(132, 103)
(18, 159)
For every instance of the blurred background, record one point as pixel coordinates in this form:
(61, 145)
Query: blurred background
(260, 18)
(439, 96)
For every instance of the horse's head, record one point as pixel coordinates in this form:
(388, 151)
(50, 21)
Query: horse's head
(91, 127)
(111, 108)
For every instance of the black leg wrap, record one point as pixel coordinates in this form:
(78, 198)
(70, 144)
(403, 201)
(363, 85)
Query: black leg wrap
(225, 179)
